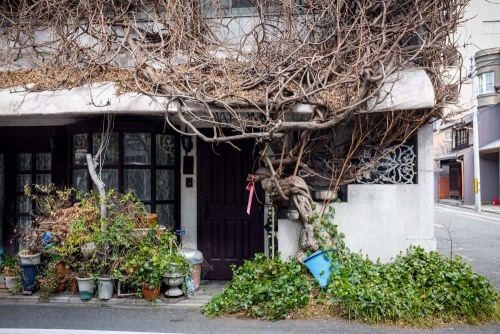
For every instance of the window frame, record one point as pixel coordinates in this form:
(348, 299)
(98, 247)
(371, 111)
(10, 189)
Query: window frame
(483, 83)
(448, 136)
(122, 128)
(461, 138)
(234, 11)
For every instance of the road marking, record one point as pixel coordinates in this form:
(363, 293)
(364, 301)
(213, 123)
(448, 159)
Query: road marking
(437, 225)
(486, 219)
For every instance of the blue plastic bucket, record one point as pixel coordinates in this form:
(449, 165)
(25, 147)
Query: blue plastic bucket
(28, 278)
(320, 267)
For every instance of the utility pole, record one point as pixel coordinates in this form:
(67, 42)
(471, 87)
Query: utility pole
(475, 144)
(477, 173)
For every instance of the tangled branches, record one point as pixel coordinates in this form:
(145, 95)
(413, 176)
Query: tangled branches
(245, 66)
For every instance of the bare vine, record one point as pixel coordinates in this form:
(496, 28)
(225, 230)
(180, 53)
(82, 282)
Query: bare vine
(242, 67)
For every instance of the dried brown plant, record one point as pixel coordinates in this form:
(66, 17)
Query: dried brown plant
(239, 67)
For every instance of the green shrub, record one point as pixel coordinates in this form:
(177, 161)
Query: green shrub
(263, 288)
(417, 287)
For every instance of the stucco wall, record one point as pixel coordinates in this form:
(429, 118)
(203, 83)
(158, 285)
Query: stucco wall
(489, 177)
(189, 204)
(468, 178)
(382, 220)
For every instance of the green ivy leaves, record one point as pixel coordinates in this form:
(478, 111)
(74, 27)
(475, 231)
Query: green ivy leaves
(263, 288)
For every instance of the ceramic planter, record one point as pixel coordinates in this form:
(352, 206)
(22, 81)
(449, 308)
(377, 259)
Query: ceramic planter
(11, 282)
(30, 259)
(86, 287)
(28, 278)
(105, 288)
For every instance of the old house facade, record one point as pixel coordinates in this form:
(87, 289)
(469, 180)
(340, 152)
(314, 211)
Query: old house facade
(162, 141)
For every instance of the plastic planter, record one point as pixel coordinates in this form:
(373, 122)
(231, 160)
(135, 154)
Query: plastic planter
(320, 267)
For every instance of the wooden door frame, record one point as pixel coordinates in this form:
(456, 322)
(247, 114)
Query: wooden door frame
(199, 204)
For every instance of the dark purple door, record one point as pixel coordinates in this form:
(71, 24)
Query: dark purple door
(226, 234)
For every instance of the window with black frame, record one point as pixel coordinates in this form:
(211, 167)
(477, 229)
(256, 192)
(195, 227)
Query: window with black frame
(240, 7)
(145, 163)
(461, 138)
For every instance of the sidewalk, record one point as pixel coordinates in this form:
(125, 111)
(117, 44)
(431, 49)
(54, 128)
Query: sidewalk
(203, 295)
(484, 207)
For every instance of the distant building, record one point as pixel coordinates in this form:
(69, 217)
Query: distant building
(479, 39)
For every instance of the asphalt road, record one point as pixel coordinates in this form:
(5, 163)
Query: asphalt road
(475, 237)
(35, 317)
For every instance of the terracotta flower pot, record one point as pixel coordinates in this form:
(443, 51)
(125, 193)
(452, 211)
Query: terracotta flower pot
(61, 286)
(150, 294)
(73, 286)
(61, 271)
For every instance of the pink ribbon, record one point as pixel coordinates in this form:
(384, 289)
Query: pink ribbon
(251, 188)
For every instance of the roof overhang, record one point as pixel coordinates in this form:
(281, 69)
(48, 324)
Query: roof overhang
(407, 89)
(492, 147)
(453, 155)
(94, 99)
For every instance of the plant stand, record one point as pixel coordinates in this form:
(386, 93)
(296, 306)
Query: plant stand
(173, 281)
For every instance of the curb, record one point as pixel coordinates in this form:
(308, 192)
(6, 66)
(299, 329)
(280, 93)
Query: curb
(74, 300)
(466, 206)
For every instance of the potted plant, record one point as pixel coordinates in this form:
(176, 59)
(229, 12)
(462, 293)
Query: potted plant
(175, 273)
(12, 272)
(105, 283)
(85, 277)
(47, 281)
(146, 266)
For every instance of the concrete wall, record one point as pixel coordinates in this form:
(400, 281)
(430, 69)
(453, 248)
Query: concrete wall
(383, 220)
(468, 186)
(489, 177)
(489, 123)
(189, 203)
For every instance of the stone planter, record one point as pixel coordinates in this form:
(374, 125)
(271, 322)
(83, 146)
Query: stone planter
(173, 281)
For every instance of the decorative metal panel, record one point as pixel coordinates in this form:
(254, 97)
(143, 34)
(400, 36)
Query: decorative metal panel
(80, 148)
(111, 151)
(396, 166)
(165, 150)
